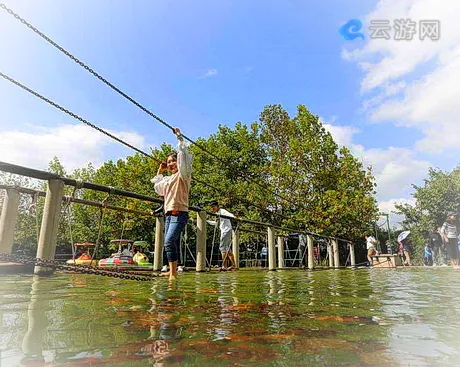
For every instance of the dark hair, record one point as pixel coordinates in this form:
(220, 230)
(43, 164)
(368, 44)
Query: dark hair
(173, 155)
(214, 203)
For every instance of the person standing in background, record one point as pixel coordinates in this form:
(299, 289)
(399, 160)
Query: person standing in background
(225, 227)
(371, 244)
(449, 234)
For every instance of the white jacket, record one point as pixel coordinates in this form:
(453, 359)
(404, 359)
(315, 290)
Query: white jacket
(225, 224)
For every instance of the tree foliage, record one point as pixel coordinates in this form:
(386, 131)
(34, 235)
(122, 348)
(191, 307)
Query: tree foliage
(281, 170)
(439, 194)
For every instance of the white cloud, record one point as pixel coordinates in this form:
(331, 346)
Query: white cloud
(394, 169)
(210, 73)
(417, 83)
(75, 145)
(390, 208)
(343, 135)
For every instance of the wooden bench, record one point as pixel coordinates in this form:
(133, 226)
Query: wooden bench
(387, 260)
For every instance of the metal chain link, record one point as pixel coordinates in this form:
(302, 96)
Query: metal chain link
(84, 121)
(82, 64)
(59, 263)
(77, 268)
(106, 133)
(122, 274)
(105, 81)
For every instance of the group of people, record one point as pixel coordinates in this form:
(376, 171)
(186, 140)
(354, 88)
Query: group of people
(443, 243)
(175, 189)
(404, 250)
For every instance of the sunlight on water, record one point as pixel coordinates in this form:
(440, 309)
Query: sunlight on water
(244, 318)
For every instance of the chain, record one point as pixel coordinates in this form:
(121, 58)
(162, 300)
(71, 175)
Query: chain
(105, 81)
(82, 64)
(106, 133)
(122, 274)
(75, 116)
(147, 111)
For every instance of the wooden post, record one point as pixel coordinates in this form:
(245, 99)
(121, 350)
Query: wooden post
(280, 251)
(50, 223)
(311, 255)
(330, 255)
(201, 242)
(236, 247)
(352, 255)
(335, 249)
(271, 250)
(8, 220)
(159, 243)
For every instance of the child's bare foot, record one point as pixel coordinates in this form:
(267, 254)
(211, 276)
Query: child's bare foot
(172, 278)
(165, 274)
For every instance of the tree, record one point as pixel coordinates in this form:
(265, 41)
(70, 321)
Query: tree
(323, 188)
(280, 170)
(439, 194)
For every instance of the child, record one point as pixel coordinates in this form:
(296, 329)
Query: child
(428, 257)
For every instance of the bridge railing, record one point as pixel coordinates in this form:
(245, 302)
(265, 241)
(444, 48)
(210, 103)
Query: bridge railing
(54, 198)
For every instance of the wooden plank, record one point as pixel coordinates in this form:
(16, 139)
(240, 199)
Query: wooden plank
(387, 261)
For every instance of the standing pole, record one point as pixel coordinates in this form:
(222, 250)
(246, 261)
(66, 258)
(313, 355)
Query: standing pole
(271, 249)
(352, 255)
(388, 226)
(330, 256)
(50, 223)
(280, 251)
(8, 220)
(201, 241)
(311, 259)
(335, 249)
(236, 247)
(159, 243)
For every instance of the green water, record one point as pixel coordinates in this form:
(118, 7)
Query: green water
(245, 318)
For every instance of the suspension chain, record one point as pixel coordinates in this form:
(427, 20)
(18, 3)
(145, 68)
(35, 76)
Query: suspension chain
(85, 269)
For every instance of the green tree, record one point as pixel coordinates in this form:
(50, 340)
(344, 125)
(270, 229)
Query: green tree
(323, 187)
(439, 194)
(281, 170)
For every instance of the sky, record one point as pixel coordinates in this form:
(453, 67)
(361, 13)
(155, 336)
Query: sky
(199, 64)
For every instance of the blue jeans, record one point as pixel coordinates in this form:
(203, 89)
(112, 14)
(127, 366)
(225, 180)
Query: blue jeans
(173, 227)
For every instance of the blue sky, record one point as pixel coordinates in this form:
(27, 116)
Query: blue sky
(203, 63)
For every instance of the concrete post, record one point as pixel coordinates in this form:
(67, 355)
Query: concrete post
(280, 251)
(352, 255)
(330, 255)
(236, 247)
(201, 242)
(8, 220)
(335, 249)
(311, 259)
(32, 343)
(50, 223)
(271, 250)
(159, 243)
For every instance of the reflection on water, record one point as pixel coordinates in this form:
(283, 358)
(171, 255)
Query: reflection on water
(247, 318)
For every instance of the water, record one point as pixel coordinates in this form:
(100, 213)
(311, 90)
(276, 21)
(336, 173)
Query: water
(245, 318)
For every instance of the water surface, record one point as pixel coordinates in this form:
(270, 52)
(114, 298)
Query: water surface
(245, 318)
